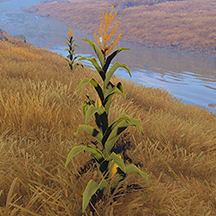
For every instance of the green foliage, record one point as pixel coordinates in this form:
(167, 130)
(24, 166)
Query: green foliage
(106, 134)
(72, 58)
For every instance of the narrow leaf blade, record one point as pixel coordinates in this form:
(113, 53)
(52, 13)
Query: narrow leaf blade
(111, 57)
(114, 67)
(118, 161)
(91, 130)
(91, 111)
(96, 65)
(97, 50)
(95, 152)
(103, 184)
(75, 150)
(121, 118)
(114, 135)
(89, 191)
(82, 83)
(132, 168)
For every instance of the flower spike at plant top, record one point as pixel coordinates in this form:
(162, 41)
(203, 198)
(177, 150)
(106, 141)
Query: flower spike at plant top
(70, 33)
(72, 58)
(108, 18)
(109, 162)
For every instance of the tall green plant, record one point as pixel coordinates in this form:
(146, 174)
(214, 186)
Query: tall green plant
(106, 134)
(72, 58)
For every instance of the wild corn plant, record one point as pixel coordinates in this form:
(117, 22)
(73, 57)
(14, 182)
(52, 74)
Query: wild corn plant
(108, 162)
(72, 58)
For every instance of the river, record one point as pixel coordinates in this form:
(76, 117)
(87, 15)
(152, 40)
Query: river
(186, 75)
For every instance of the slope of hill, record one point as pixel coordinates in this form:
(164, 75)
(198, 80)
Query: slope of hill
(186, 25)
(16, 39)
(40, 111)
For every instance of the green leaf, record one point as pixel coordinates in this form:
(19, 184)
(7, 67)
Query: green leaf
(90, 190)
(96, 65)
(90, 100)
(95, 84)
(77, 57)
(67, 50)
(84, 107)
(120, 87)
(117, 89)
(75, 150)
(95, 152)
(132, 168)
(101, 120)
(107, 91)
(97, 88)
(112, 129)
(109, 88)
(111, 71)
(108, 99)
(82, 83)
(118, 161)
(66, 60)
(91, 130)
(92, 110)
(97, 51)
(110, 58)
(113, 136)
(103, 184)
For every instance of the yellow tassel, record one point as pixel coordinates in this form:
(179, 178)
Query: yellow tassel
(111, 46)
(107, 18)
(101, 29)
(70, 33)
(112, 32)
(98, 41)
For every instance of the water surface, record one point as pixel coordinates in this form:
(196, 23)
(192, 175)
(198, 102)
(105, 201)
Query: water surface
(186, 75)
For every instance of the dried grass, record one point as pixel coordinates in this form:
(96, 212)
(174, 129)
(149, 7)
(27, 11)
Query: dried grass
(39, 113)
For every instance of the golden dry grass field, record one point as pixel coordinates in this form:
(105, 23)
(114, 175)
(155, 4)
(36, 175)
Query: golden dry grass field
(40, 111)
(190, 23)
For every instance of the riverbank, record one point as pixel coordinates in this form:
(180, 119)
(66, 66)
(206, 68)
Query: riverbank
(182, 25)
(187, 75)
(40, 111)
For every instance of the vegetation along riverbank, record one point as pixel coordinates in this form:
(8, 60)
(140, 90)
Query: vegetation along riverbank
(40, 111)
(183, 25)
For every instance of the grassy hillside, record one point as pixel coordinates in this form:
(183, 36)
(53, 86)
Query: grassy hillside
(186, 25)
(39, 112)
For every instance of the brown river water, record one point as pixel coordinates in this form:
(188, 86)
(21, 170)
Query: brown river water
(186, 75)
